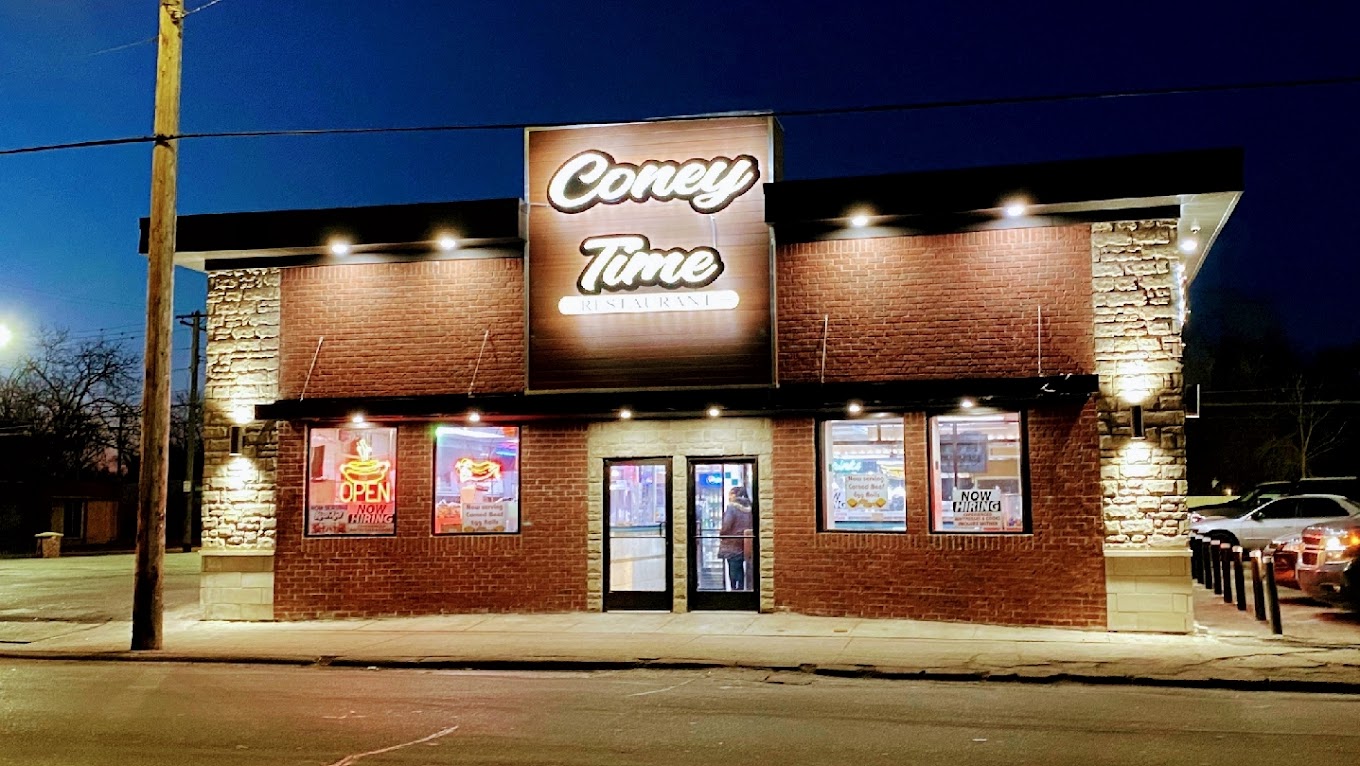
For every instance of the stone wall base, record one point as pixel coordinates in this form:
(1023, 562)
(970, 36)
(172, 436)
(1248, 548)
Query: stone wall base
(237, 585)
(1149, 590)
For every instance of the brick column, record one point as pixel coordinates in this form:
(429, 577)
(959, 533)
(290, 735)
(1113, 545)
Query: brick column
(239, 490)
(1138, 295)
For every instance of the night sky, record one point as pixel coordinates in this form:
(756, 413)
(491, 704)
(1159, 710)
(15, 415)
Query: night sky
(68, 220)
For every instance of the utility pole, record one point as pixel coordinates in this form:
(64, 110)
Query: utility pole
(147, 592)
(195, 421)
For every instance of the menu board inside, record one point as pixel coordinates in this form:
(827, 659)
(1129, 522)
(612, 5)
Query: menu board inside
(352, 481)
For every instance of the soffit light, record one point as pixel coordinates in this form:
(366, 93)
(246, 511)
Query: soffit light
(358, 419)
(446, 242)
(625, 414)
(474, 416)
(340, 246)
(854, 408)
(714, 412)
(859, 220)
(1190, 244)
(967, 403)
(1014, 208)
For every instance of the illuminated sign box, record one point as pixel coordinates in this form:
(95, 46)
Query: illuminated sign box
(649, 262)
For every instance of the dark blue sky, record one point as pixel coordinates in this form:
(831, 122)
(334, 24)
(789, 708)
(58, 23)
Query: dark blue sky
(68, 220)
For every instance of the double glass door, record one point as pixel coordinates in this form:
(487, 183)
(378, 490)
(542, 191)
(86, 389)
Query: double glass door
(724, 554)
(637, 540)
(722, 557)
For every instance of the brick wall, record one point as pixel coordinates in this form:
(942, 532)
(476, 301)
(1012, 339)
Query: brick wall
(956, 305)
(543, 568)
(403, 328)
(1051, 577)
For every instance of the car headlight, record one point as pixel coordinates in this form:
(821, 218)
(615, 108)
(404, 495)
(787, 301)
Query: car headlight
(1342, 547)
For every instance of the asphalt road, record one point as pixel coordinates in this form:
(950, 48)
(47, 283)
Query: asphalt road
(161, 713)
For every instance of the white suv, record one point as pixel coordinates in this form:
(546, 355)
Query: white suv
(1278, 518)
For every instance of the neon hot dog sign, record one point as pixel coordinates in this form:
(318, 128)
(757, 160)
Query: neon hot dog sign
(622, 263)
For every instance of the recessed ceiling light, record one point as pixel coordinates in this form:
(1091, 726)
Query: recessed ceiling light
(1014, 209)
(1188, 244)
(859, 221)
(967, 403)
(854, 408)
(446, 242)
(625, 414)
(474, 416)
(714, 412)
(340, 247)
(357, 419)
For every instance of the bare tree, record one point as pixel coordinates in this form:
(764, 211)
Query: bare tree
(73, 402)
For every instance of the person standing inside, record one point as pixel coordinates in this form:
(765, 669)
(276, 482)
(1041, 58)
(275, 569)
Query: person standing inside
(735, 546)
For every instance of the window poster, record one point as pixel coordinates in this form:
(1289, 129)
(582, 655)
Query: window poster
(352, 482)
(476, 480)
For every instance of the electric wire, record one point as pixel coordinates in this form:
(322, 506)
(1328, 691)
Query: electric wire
(839, 111)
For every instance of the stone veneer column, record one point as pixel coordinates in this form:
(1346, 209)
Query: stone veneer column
(679, 439)
(1138, 295)
(237, 581)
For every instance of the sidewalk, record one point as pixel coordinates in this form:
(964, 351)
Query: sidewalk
(1236, 655)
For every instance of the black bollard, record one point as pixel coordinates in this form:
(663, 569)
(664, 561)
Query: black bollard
(1194, 557)
(1258, 591)
(1239, 578)
(1225, 562)
(1273, 598)
(1215, 571)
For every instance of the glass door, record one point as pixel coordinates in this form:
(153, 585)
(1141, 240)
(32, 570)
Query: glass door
(724, 551)
(637, 539)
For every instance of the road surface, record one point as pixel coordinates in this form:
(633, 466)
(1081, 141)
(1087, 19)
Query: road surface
(162, 713)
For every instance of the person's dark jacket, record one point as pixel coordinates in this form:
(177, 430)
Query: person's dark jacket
(736, 522)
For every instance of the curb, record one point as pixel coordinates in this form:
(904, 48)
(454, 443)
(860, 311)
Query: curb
(831, 671)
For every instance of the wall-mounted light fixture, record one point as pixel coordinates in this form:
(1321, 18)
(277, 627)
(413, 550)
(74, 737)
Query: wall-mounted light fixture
(625, 414)
(236, 432)
(1136, 416)
(854, 407)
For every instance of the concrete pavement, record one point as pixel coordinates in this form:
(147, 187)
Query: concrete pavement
(1230, 650)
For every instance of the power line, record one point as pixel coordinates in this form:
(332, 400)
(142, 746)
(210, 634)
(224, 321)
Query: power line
(809, 112)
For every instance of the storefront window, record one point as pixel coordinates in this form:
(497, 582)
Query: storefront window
(476, 480)
(977, 474)
(863, 486)
(352, 481)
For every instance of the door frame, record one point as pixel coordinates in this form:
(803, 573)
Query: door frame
(710, 600)
(659, 600)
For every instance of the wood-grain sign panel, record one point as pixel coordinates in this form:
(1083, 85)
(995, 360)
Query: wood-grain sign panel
(649, 258)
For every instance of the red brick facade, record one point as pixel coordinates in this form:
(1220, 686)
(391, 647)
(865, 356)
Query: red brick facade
(937, 307)
(542, 569)
(403, 328)
(1053, 576)
(932, 307)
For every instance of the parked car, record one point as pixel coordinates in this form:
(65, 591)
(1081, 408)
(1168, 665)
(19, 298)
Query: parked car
(1285, 553)
(1329, 566)
(1230, 509)
(1278, 518)
(1345, 486)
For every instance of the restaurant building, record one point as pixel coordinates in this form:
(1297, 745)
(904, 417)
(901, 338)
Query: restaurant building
(667, 379)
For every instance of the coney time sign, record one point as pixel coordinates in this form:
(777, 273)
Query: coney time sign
(649, 259)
